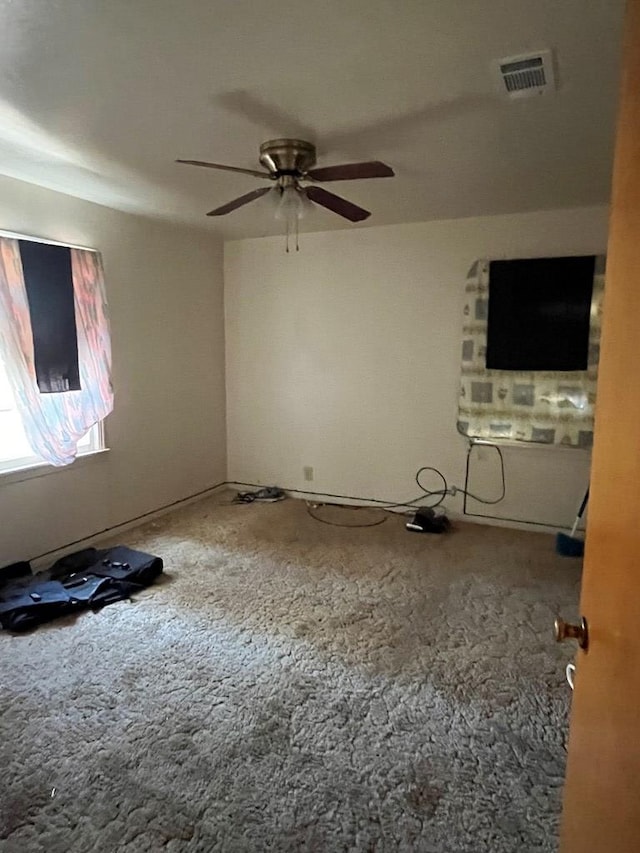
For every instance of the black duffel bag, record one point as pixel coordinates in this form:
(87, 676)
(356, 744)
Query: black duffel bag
(86, 579)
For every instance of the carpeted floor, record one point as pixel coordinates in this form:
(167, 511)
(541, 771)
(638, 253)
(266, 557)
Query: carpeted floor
(295, 686)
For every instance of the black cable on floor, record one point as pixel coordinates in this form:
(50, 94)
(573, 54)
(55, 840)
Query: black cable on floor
(340, 524)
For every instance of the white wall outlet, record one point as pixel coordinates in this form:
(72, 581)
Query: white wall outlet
(308, 473)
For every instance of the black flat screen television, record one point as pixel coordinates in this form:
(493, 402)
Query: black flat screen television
(538, 313)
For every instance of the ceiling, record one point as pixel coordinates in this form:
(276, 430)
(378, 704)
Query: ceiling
(98, 98)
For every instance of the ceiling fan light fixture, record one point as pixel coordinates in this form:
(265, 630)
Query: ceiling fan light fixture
(291, 204)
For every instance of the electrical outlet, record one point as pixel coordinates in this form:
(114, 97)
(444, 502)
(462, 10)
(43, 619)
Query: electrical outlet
(308, 473)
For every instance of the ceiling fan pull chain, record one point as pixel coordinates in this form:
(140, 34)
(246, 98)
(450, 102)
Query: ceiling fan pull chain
(287, 223)
(297, 231)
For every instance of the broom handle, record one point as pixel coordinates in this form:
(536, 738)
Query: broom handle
(580, 512)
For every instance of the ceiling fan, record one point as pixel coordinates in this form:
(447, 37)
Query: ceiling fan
(289, 163)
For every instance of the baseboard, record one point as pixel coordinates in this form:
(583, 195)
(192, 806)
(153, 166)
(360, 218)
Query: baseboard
(321, 497)
(44, 560)
(471, 518)
(514, 523)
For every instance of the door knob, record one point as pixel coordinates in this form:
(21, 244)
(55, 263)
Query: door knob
(565, 631)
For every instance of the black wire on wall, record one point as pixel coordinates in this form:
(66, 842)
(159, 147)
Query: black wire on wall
(467, 494)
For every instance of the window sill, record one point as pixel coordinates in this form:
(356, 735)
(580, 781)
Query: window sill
(527, 445)
(30, 472)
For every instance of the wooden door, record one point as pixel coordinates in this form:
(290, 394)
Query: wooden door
(602, 791)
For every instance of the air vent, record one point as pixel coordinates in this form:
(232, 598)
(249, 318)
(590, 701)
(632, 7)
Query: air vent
(522, 76)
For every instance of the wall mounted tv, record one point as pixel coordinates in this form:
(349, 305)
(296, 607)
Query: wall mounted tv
(538, 315)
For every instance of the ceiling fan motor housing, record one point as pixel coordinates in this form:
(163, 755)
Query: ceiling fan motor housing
(288, 156)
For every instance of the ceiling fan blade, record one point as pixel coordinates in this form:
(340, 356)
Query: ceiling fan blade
(338, 205)
(352, 172)
(253, 172)
(239, 202)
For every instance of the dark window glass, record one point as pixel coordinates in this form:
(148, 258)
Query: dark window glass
(49, 284)
(539, 314)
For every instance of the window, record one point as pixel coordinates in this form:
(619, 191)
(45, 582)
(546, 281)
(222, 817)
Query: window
(55, 353)
(541, 406)
(15, 452)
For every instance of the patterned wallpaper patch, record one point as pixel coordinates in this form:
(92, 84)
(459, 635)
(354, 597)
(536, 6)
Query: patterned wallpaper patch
(533, 406)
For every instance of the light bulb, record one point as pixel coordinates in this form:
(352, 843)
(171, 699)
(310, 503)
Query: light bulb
(290, 207)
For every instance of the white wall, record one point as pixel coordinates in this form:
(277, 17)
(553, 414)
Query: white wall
(346, 357)
(167, 431)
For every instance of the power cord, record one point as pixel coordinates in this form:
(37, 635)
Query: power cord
(467, 494)
(340, 524)
(425, 493)
(440, 494)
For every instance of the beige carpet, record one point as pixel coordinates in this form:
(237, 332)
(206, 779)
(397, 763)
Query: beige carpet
(295, 686)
